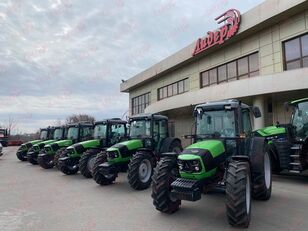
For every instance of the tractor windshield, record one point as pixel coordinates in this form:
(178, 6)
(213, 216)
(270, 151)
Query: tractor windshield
(140, 128)
(72, 133)
(300, 120)
(100, 131)
(57, 135)
(43, 135)
(216, 123)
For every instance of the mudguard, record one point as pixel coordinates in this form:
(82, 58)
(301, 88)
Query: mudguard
(166, 144)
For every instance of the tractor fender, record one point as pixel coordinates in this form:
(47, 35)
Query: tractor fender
(166, 143)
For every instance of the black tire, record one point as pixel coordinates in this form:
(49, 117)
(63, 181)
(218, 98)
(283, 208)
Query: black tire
(60, 153)
(176, 147)
(238, 205)
(20, 156)
(44, 163)
(68, 171)
(165, 173)
(275, 164)
(97, 176)
(31, 159)
(86, 157)
(144, 162)
(262, 177)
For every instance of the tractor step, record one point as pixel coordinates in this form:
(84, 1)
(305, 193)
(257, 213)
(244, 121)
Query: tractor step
(296, 147)
(295, 163)
(294, 171)
(186, 189)
(294, 156)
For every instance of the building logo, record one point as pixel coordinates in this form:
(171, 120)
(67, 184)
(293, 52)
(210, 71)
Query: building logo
(232, 20)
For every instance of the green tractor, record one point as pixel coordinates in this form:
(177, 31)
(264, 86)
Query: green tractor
(289, 150)
(56, 133)
(148, 138)
(24, 148)
(225, 156)
(48, 158)
(81, 156)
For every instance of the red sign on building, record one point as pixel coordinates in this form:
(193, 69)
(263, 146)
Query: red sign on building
(231, 19)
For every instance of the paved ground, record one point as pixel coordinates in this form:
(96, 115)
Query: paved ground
(32, 198)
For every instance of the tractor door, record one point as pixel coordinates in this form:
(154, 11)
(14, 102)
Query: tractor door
(116, 134)
(160, 132)
(246, 132)
(86, 133)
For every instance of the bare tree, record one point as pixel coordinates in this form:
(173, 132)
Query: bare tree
(79, 118)
(11, 124)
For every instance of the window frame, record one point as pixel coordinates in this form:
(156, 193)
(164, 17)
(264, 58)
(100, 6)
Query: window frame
(140, 102)
(173, 86)
(300, 59)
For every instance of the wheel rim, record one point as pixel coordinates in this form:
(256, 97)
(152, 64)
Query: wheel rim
(145, 170)
(90, 164)
(267, 170)
(248, 194)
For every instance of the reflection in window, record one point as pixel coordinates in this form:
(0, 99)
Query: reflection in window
(247, 66)
(173, 89)
(296, 53)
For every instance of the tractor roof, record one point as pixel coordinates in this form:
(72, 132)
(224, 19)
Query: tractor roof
(85, 123)
(221, 104)
(295, 102)
(112, 120)
(147, 116)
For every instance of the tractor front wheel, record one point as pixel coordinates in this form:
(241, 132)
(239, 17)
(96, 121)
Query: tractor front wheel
(238, 194)
(140, 170)
(60, 153)
(97, 175)
(20, 155)
(262, 178)
(86, 162)
(165, 173)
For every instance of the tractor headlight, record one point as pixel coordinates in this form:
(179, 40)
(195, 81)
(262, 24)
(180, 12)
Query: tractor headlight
(190, 166)
(112, 154)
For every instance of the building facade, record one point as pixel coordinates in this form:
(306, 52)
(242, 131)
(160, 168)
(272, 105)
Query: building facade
(264, 64)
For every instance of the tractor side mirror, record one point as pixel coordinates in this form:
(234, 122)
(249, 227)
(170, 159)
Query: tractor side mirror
(256, 112)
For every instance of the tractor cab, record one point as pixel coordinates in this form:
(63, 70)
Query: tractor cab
(110, 131)
(46, 133)
(80, 131)
(226, 121)
(151, 129)
(299, 119)
(60, 133)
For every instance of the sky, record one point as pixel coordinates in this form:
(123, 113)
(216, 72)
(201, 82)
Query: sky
(63, 57)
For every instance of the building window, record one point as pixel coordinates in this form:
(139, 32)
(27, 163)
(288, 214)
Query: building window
(173, 89)
(247, 66)
(139, 103)
(296, 53)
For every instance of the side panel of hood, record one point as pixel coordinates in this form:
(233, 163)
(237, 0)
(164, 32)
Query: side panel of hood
(61, 143)
(88, 144)
(271, 131)
(129, 144)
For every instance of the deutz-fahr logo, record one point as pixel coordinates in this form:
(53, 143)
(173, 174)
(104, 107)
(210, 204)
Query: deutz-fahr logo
(232, 20)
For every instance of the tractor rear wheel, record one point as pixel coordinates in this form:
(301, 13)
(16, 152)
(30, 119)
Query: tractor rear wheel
(165, 173)
(262, 178)
(60, 153)
(238, 194)
(176, 147)
(140, 170)
(86, 162)
(99, 177)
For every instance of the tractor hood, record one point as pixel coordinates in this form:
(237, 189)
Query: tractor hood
(271, 131)
(79, 148)
(40, 145)
(61, 143)
(200, 160)
(126, 145)
(33, 142)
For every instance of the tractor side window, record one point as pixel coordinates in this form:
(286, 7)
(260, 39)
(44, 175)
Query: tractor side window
(300, 120)
(86, 133)
(247, 128)
(163, 129)
(118, 130)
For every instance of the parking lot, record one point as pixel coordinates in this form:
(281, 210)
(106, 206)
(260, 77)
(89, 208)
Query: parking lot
(32, 198)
